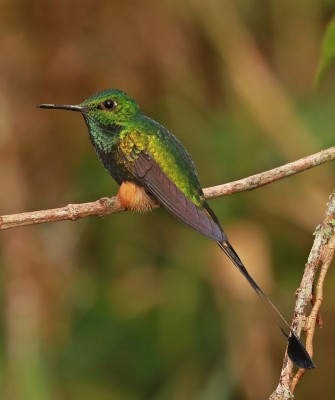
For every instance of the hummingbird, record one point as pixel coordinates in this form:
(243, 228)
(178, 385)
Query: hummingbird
(153, 168)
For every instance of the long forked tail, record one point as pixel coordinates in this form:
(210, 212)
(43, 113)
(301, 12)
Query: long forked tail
(295, 349)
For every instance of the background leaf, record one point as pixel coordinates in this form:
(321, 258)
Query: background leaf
(327, 52)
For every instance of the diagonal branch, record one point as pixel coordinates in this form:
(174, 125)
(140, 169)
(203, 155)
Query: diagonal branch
(106, 205)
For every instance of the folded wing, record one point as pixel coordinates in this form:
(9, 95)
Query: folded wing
(148, 172)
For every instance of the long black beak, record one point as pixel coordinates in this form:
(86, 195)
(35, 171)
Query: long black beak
(63, 107)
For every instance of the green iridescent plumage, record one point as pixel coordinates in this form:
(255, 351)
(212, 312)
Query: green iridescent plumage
(137, 150)
(126, 131)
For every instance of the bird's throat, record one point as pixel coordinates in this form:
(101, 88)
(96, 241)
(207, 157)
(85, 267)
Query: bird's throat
(102, 136)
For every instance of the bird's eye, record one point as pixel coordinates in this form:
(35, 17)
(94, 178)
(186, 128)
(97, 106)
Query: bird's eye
(109, 104)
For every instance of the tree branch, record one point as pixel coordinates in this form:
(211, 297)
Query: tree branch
(321, 256)
(106, 205)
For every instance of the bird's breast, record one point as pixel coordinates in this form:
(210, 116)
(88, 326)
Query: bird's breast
(114, 163)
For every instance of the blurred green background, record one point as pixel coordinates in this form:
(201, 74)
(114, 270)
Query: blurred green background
(132, 306)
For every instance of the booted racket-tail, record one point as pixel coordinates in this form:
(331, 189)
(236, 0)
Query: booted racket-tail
(152, 167)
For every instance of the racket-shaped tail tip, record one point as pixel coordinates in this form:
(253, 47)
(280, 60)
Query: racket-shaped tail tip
(297, 353)
(295, 350)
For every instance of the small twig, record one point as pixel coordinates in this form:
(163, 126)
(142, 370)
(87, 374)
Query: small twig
(264, 178)
(322, 253)
(327, 257)
(106, 205)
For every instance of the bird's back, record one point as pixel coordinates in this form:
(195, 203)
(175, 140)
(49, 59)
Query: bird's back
(172, 157)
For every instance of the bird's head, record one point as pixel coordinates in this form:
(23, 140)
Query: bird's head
(106, 108)
(106, 114)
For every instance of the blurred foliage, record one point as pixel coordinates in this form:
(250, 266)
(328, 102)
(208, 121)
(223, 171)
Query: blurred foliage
(133, 306)
(328, 51)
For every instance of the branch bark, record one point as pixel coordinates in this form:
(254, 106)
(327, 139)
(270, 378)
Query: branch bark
(106, 205)
(320, 257)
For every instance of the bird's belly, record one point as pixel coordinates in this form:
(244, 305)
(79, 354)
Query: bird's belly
(131, 195)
